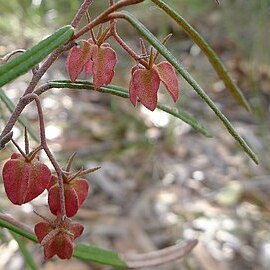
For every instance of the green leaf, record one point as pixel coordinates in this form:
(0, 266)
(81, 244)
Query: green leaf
(29, 260)
(187, 118)
(123, 92)
(81, 251)
(209, 52)
(181, 70)
(26, 61)
(13, 228)
(22, 120)
(98, 255)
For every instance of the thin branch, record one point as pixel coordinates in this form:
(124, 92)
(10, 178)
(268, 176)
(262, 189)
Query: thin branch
(26, 141)
(102, 17)
(9, 55)
(70, 161)
(5, 139)
(124, 45)
(20, 150)
(82, 10)
(160, 256)
(45, 147)
(46, 65)
(19, 108)
(15, 222)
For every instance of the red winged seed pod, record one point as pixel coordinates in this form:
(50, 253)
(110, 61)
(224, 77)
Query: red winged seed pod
(144, 83)
(57, 237)
(24, 179)
(75, 190)
(77, 59)
(98, 60)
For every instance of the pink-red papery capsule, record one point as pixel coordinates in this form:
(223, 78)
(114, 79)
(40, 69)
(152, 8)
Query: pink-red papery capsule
(24, 179)
(98, 60)
(57, 237)
(145, 82)
(75, 192)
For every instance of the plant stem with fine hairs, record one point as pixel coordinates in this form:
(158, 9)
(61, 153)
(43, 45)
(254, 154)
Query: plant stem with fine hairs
(48, 152)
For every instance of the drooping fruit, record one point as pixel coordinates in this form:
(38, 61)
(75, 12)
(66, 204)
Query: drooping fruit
(98, 60)
(24, 179)
(57, 237)
(75, 191)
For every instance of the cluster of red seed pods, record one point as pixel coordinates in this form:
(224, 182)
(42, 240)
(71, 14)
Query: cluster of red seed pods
(25, 177)
(97, 58)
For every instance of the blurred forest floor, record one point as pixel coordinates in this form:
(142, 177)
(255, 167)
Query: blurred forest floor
(160, 182)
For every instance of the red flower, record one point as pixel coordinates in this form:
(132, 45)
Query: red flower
(98, 60)
(57, 237)
(145, 83)
(24, 179)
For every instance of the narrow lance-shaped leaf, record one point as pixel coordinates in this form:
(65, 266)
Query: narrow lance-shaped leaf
(123, 92)
(26, 61)
(181, 70)
(208, 51)
(98, 255)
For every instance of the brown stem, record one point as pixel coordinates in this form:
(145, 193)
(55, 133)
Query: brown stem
(26, 141)
(164, 41)
(70, 161)
(20, 150)
(19, 108)
(151, 58)
(5, 139)
(16, 223)
(87, 171)
(48, 152)
(82, 10)
(144, 51)
(104, 35)
(9, 55)
(102, 17)
(91, 31)
(32, 155)
(124, 45)
(44, 218)
(160, 256)
(37, 76)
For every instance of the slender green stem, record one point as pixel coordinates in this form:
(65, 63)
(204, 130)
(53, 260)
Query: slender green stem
(208, 51)
(123, 92)
(17, 227)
